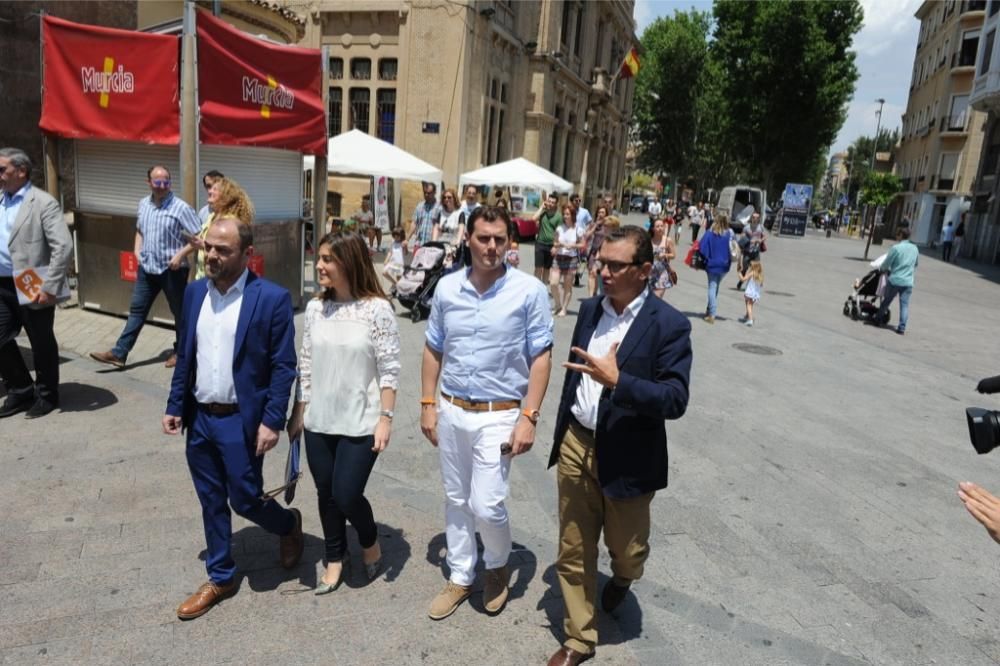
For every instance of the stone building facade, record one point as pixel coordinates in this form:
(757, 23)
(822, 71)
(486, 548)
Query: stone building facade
(467, 84)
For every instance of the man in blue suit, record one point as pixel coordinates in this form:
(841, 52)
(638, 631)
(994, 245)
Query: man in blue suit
(234, 374)
(628, 371)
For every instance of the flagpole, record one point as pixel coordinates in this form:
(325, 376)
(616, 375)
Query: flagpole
(189, 110)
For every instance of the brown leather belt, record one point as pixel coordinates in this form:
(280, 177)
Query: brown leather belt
(488, 406)
(219, 408)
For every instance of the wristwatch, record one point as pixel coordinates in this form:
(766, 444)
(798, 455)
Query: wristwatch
(387, 413)
(532, 415)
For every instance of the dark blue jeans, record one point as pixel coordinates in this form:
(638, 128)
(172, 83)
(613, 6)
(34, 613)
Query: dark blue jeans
(147, 288)
(340, 467)
(226, 470)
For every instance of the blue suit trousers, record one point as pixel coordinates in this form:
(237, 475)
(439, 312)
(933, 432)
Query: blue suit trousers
(226, 471)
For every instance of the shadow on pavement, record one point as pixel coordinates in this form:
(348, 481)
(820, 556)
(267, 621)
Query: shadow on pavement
(75, 397)
(256, 553)
(621, 626)
(522, 564)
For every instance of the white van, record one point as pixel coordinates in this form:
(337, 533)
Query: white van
(735, 200)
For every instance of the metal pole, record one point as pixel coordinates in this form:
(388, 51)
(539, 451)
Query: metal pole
(189, 110)
(878, 126)
(320, 175)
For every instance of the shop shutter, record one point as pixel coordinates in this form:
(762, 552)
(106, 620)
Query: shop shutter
(111, 175)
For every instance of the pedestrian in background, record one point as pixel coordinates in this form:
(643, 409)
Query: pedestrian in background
(395, 264)
(348, 377)
(566, 248)
(752, 242)
(714, 246)
(593, 238)
(451, 229)
(225, 199)
(426, 216)
(959, 239)
(754, 277)
(548, 218)
(947, 240)
(663, 251)
(230, 389)
(493, 378)
(696, 219)
(163, 227)
(32, 235)
(210, 178)
(900, 264)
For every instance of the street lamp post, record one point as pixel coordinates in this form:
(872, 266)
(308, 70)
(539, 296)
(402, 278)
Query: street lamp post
(878, 127)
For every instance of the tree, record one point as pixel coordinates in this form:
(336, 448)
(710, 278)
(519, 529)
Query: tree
(859, 155)
(679, 106)
(789, 74)
(878, 191)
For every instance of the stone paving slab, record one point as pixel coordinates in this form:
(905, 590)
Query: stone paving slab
(811, 516)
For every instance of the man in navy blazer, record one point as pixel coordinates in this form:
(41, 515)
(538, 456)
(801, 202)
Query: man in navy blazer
(230, 390)
(628, 371)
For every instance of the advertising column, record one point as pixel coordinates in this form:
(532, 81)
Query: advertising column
(797, 202)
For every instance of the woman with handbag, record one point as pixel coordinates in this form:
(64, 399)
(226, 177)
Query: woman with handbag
(344, 400)
(662, 276)
(714, 247)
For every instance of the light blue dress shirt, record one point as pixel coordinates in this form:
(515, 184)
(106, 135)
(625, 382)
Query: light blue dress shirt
(9, 205)
(487, 340)
(161, 228)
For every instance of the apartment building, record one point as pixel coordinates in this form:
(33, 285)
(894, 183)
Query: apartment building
(942, 135)
(470, 83)
(982, 238)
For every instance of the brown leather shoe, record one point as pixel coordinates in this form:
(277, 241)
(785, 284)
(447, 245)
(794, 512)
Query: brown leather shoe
(292, 543)
(202, 601)
(109, 358)
(565, 656)
(171, 362)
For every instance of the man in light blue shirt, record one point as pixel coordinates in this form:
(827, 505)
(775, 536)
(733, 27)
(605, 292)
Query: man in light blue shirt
(164, 224)
(489, 340)
(900, 264)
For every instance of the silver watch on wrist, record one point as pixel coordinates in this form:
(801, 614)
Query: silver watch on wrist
(387, 413)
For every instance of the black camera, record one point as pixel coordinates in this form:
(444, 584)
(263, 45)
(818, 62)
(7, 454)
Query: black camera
(984, 424)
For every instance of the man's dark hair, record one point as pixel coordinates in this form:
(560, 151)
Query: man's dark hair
(552, 195)
(214, 173)
(490, 214)
(431, 185)
(149, 174)
(575, 195)
(903, 232)
(639, 238)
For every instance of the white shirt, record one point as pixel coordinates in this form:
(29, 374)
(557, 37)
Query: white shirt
(583, 220)
(948, 233)
(567, 236)
(216, 337)
(611, 328)
(655, 209)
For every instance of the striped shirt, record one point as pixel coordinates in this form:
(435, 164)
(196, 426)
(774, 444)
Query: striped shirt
(161, 231)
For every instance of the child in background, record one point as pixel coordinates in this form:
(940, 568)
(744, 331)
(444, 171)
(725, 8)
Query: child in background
(754, 277)
(396, 261)
(513, 258)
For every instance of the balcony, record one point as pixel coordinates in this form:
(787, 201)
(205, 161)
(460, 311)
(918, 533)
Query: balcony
(985, 94)
(945, 184)
(973, 6)
(963, 62)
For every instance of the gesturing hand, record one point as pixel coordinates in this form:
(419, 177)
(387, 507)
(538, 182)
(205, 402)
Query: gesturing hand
(983, 506)
(602, 369)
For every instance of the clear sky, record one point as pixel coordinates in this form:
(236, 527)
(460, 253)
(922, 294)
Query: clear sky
(885, 46)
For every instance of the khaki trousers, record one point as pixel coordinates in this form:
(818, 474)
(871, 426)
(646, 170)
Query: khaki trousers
(584, 512)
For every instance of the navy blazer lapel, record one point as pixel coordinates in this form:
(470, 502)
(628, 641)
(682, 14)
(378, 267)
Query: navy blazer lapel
(590, 324)
(251, 294)
(637, 330)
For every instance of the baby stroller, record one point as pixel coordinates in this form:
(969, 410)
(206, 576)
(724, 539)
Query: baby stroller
(862, 304)
(416, 288)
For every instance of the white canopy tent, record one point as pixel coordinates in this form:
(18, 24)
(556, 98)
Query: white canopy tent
(355, 153)
(517, 171)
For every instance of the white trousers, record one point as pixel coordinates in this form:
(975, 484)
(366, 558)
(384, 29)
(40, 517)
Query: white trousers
(475, 477)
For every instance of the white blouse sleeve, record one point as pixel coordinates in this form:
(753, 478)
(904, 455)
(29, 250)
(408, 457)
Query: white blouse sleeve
(385, 338)
(303, 388)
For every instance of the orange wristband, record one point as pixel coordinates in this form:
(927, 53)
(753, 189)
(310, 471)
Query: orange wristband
(428, 401)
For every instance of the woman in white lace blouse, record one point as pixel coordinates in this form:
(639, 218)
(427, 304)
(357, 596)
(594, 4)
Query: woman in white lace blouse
(348, 376)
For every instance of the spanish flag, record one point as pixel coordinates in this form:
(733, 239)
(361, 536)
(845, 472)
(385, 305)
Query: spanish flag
(630, 66)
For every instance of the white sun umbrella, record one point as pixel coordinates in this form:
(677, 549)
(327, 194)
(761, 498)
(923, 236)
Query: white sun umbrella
(355, 153)
(518, 171)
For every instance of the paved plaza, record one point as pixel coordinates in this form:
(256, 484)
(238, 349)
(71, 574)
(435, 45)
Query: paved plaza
(811, 518)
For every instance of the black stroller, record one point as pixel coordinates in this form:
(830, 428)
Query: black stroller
(416, 288)
(862, 304)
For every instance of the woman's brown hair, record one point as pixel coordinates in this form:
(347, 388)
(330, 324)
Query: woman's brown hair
(350, 252)
(454, 198)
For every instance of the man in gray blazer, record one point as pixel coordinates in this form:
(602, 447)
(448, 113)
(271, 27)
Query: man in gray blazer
(32, 235)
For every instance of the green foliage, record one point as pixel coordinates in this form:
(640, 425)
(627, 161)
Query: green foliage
(679, 106)
(640, 181)
(880, 189)
(859, 155)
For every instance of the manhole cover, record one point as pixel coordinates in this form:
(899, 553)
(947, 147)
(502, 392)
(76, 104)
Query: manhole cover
(779, 293)
(757, 349)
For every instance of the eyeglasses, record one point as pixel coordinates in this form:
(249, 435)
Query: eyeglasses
(160, 183)
(614, 267)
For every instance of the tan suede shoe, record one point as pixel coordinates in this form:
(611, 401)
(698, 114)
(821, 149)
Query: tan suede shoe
(495, 589)
(445, 603)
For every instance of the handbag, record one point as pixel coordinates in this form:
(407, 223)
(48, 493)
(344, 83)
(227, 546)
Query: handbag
(672, 274)
(734, 249)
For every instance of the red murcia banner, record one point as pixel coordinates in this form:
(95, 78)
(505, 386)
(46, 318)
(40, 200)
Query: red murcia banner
(109, 84)
(252, 93)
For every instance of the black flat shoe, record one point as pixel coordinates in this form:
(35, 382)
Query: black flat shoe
(12, 406)
(41, 408)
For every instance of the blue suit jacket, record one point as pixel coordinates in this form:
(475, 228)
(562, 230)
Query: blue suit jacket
(654, 364)
(263, 355)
